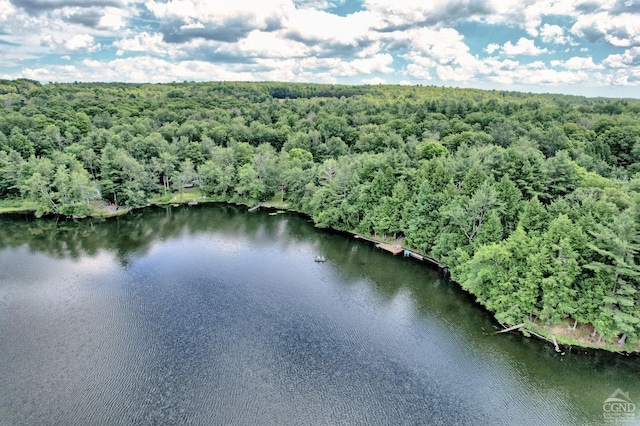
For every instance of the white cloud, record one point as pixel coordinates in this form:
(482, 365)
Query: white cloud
(114, 19)
(268, 44)
(441, 51)
(49, 41)
(553, 34)
(143, 42)
(507, 72)
(158, 70)
(554, 78)
(374, 81)
(312, 4)
(47, 74)
(618, 30)
(307, 67)
(577, 63)
(629, 59)
(35, 29)
(524, 46)
(417, 13)
(257, 15)
(299, 40)
(526, 14)
(320, 26)
(218, 11)
(491, 48)
(80, 42)
(419, 70)
(76, 43)
(510, 73)
(445, 45)
(318, 4)
(6, 10)
(145, 68)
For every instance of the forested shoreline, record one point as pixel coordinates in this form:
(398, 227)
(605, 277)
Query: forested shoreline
(533, 201)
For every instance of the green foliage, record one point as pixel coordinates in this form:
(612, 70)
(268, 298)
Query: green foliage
(10, 164)
(20, 143)
(505, 277)
(216, 180)
(618, 273)
(65, 190)
(534, 217)
(467, 214)
(431, 149)
(248, 187)
(425, 220)
(561, 176)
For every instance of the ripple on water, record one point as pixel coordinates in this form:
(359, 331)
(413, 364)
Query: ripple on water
(243, 327)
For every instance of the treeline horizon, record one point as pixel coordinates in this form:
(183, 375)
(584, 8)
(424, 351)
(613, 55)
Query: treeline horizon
(532, 200)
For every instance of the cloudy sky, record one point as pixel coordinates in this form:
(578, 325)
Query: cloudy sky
(584, 47)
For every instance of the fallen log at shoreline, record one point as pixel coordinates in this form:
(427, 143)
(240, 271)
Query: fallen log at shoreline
(506, 330)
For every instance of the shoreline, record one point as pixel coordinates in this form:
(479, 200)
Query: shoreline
(541, 333)
(560, 342)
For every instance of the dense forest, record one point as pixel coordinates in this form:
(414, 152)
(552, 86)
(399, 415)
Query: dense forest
(533, 201)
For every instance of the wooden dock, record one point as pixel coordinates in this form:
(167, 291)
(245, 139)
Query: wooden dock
(256, 207)
(362, 237)
(429, 260)
(394, 249)
(397, 249)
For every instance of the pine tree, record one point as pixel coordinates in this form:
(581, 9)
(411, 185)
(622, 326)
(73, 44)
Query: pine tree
(617, 246)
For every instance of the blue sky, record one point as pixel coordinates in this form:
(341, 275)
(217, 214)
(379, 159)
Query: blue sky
(583, 47)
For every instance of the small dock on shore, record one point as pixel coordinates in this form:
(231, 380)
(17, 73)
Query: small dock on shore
(393, 249)
(421, 258)
(257, 206)
(396, 249)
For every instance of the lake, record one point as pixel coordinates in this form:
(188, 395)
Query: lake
(211, 315)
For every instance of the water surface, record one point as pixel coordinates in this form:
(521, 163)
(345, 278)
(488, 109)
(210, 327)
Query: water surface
(213, 315)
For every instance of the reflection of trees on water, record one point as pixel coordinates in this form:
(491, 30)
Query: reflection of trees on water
(124, 235)
(135, 233)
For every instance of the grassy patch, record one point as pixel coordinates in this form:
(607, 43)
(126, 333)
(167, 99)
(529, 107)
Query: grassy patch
(100, 208)
(277, 201)
(15, 205)
(177, 198)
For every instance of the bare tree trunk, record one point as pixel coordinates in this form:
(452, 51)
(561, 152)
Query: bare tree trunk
(623, 339)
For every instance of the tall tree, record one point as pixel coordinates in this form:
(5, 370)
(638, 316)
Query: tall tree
(10, 164)
(468, 214)
(617, 246)
(505, 277)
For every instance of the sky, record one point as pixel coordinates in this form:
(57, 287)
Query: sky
(581, 47)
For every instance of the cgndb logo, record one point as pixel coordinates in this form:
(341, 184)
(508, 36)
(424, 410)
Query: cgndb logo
(619, 408)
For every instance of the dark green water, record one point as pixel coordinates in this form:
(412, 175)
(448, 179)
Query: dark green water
(211, 315)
